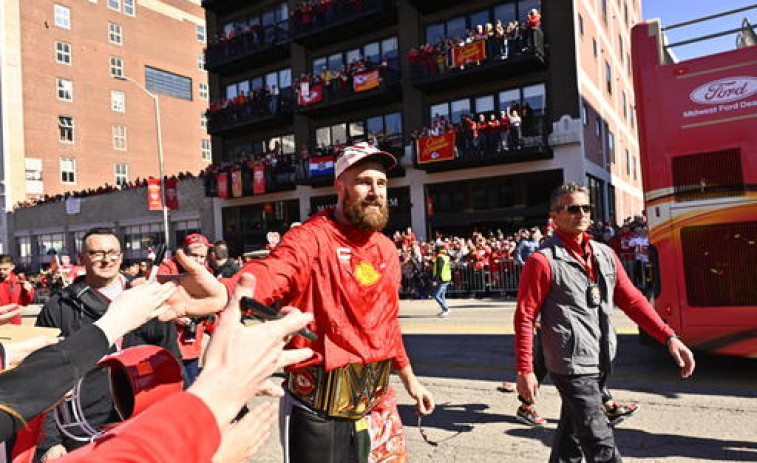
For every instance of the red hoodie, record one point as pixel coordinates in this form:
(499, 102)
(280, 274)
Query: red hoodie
(12, 292)
(348, 279)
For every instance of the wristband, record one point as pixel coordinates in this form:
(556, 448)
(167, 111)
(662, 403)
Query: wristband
(672, 336)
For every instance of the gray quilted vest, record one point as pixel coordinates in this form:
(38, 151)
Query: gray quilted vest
(576, 338)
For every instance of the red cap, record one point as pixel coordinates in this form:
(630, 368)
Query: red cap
(196, 238)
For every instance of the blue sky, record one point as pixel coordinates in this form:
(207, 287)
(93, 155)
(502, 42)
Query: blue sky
(676, 11)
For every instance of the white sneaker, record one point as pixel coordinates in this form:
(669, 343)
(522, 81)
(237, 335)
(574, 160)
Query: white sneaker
(443, 314)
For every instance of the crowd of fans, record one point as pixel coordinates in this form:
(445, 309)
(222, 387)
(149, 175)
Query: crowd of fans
(506, 130)
(105, 189)
(243, 35)
(500, 43)
(315, 13)
(498, 254)
(340, 82)
(254, 104)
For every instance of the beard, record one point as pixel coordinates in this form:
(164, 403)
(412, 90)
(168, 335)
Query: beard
(356, 212)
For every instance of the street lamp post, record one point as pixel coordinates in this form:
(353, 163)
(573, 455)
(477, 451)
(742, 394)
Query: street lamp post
(160, 154)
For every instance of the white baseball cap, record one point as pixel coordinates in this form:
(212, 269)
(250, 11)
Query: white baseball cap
(360, 152)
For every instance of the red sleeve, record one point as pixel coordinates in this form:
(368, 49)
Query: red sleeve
(535, 281)
(168, 267)
(286, 268)
(635, 305)
(26, 297)
(178, 429)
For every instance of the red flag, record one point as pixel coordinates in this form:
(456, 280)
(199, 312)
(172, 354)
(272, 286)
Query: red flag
(469, 53)
(436, 148)
(309, 94)
(236, 183)
(365, 81)
(223, 185)
(258, 180)
(172, 193)
(154, 202)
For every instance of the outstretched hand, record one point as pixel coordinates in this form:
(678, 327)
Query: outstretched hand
(199, 292)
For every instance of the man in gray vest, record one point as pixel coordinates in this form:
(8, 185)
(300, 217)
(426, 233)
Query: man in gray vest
(574, 284)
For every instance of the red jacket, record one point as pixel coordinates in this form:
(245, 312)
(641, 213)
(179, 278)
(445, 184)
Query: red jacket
(179, 429)
(348, 279)
(12, 292)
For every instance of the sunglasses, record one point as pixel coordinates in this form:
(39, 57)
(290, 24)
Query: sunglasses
(576, 208)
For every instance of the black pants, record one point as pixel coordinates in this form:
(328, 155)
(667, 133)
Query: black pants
(583, 430)
(314, 439)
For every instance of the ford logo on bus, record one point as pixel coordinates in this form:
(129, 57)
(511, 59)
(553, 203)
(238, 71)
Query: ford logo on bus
(724, 90)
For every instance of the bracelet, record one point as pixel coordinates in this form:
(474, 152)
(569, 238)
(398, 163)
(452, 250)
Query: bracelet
(672, 336)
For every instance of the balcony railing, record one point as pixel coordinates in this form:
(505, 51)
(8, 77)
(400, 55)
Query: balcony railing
(279, 177)
(324, 21)
(236, 49)
(315, 171)
(224, 6)
(264, 111)
(339, 94)
(480, 60)
(529, 142)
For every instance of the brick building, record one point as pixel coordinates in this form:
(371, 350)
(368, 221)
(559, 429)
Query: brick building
(72, 119)
(570, 80)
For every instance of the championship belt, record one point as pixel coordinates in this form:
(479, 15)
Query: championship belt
(350, 392)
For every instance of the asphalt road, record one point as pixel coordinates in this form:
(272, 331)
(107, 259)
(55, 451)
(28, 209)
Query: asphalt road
(711, 417)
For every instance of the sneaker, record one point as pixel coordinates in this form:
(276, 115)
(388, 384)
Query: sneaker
(529, 416)
(506, 387)
(443, 314)
(616, 412)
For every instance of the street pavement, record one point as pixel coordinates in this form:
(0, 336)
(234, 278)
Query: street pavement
(711, 417)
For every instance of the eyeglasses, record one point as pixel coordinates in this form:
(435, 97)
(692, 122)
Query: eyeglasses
(97, 256)
(576, 208)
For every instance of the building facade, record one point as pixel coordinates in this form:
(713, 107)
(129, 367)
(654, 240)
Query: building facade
(290, 85)
(75, 112)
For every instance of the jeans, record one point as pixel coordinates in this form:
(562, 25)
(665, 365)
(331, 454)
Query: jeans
(440, 294)
(191, 370)
(583, 430)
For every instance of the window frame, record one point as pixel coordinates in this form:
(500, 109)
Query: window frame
(66, 124)
(130, 7)
(119, 137)
(115, 33)
(114, 5)
(116, 66)
(114, 103)
(206, 150)
(65, 172)
(67, 55)
(203, 91)
(61, 90)
(121, 178)
(62, 15)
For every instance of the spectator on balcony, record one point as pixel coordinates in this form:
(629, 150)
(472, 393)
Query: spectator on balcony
(500, 36)
(468, 133)
(515, 129)
(480, 134)
(273, 105)
(504, 130)
(492, 133)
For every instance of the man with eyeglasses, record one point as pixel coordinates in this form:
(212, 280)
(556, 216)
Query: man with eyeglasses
(573, 283)
(82, 303)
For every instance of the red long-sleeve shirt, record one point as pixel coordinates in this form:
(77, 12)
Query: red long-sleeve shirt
(535, 283)
(13, 292)
(179, 429)
(348, 279)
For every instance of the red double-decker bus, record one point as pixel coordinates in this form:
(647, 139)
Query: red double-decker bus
(697, 123)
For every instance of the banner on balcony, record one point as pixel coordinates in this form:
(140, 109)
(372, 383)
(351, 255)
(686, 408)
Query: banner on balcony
(320, 166)
(223, 185)
(258, 180)
(365, 81)
(436, 148)
(309, 94)
(172, 193)
(469, 53)
(154, 202)
(236, 183)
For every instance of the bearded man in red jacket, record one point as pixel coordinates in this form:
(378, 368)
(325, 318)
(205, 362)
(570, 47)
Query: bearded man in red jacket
(342, 269)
